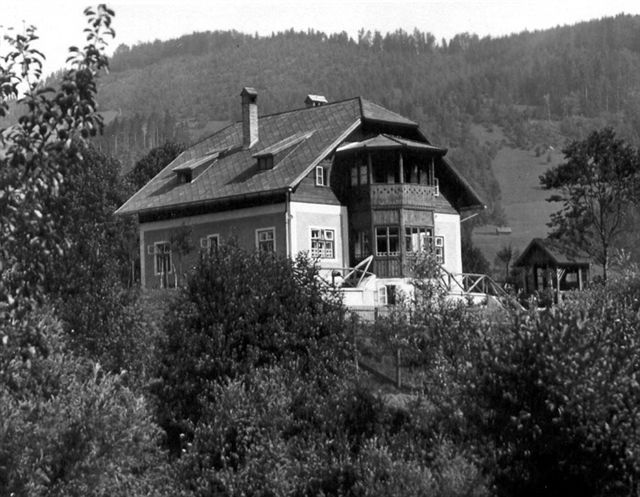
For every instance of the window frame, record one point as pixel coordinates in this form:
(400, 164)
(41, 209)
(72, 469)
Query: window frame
(323, 240)
(205, 241)
(387, 236)
(320, 176)
(157, 254)
(271, 229)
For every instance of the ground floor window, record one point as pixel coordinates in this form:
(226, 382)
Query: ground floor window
(323, 243)
(210, 243)
(418, 239)
(387, 240)
(266, 240)
(162, 257)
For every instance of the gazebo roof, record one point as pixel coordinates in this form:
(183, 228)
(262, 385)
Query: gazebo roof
(542, 251)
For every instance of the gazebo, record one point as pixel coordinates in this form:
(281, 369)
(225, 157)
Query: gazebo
(549, 265)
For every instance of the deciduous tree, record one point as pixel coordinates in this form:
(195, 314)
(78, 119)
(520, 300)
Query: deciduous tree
(596, 185)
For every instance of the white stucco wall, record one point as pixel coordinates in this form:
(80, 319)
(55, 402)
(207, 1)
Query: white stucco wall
(448, 226)
(305, 216)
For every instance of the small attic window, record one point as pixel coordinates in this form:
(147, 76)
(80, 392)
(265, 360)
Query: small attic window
(184, 176)
(265, 162)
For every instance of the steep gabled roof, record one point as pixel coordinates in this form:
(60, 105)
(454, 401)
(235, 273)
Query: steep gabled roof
(301, 138)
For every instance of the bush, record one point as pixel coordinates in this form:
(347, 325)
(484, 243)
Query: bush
(240, 311)
(556, 396)
(68, 428)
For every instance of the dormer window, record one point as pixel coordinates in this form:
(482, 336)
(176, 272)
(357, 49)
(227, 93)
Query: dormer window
(185, 176)
(265, 162)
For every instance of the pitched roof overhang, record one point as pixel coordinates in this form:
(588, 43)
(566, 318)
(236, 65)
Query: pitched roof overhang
(389, 142)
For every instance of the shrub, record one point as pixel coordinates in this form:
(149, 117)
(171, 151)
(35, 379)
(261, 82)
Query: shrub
(68, 428)
(240, 311)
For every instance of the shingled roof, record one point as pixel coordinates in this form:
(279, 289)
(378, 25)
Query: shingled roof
(297, 140)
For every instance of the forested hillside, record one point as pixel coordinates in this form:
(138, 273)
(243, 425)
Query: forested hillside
(181, 89)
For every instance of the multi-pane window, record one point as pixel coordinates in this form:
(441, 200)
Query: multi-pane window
(320, 179)
(162, 257)
(210, 243)
(359, 174)
(266, 240)
(361, 245)
(323, 243)
(417, 239)
(387, 240)
(438, 248)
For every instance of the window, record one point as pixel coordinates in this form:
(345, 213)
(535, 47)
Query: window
(162, 258)
(415, 238)
(438, 248)
(320, 176)
(210, 242)
(323, 243)
(265, 162)
(266, 240)
(354, 176)
(364, 179)
(361, 245)
(382, 295)
(387, 240)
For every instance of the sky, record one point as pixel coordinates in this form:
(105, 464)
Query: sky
(60, 22)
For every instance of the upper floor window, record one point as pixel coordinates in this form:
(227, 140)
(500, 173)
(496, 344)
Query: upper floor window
(361, 245)
(162, 257)
(323, 243)
(266, 240)
(387, 240)
(265, 162)
(359, 174)
(320, 176)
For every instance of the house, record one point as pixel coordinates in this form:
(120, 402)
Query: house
(550, 265)
(346, 181)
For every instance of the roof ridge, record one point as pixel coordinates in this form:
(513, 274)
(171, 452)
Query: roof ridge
(298, 109)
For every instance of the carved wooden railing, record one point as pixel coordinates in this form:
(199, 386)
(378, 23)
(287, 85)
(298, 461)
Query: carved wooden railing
(403, 194)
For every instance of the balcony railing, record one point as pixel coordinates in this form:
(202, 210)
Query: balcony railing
(403, 194)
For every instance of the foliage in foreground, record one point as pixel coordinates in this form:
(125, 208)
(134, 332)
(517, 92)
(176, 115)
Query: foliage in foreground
(242, 310)
(68, 427)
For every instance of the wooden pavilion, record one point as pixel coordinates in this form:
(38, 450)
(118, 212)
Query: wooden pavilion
(549, 265)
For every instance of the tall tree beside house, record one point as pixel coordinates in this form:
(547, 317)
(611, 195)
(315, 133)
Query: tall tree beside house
(596, 186)
(152, 163)
(68, 427)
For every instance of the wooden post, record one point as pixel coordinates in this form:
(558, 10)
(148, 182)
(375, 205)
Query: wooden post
(398, 373)
(401, 166)
(580, 279)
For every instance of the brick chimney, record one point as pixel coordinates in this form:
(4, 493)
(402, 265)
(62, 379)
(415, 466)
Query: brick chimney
(249, 117)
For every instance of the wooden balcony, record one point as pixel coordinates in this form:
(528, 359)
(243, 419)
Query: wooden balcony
(405, 195)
